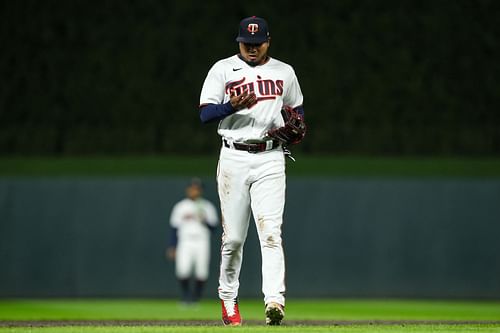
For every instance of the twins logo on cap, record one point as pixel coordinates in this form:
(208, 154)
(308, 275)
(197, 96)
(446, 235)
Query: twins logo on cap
(253, 28)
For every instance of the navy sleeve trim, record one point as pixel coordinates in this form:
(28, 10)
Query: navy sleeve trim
(300, 110)
(214, 112)
(210, 227)
(173, 237)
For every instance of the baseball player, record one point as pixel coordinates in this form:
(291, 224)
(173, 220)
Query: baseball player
(192, 220)
(247, 93)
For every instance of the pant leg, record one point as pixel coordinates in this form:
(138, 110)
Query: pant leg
(234, 198)
(202, 259)
(183, 260)
(268, 201)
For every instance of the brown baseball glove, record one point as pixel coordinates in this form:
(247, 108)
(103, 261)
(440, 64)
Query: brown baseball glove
(294, 129)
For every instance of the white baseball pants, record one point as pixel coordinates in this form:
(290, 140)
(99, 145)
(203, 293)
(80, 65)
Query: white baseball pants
(192, 257)
(252, 183)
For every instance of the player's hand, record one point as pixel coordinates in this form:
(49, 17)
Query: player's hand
(170, 253)
(202, 215)
(244, 100)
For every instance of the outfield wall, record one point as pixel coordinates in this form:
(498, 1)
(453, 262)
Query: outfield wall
(343, 238)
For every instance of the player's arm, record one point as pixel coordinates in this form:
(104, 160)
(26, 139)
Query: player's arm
(175, 222)
(212, 106)
(213, 112)
(210, 227)
(172, 244)
(293, 95)
(213, 95)
(211, 219)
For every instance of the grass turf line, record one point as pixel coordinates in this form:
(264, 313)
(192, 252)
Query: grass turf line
(297, 309)
(330, 166)
(251, 309)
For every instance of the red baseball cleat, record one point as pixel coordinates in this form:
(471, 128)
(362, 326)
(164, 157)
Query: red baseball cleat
(231, 313)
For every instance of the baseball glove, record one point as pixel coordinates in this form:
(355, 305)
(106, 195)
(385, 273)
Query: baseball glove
(294, 129)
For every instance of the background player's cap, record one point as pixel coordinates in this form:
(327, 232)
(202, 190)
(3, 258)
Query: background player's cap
(253, 30)
(196, 182)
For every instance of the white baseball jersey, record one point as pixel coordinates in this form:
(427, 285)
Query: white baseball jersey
(189, 216)
(193, 247)
(274, 83)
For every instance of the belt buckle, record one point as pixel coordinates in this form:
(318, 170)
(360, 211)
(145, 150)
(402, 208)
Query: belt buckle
(259, 147)
(269, 144)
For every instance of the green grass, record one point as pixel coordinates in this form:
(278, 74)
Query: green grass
(115, 309)
(364, 311)
(254, 329)
(206, 165)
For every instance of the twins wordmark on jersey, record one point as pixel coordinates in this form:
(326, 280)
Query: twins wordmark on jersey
(274, 84)
(266, 88)
(273, 80)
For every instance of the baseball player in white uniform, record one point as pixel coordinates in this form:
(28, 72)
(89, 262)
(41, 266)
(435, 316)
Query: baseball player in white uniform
(192, 220)
(246, 93)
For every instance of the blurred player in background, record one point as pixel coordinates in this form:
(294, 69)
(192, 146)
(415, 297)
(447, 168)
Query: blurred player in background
(192, 220)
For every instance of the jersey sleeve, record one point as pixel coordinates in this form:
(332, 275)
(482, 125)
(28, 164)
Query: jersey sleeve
(212, 91)
(293, 94)
(211, 214)
(175, 216)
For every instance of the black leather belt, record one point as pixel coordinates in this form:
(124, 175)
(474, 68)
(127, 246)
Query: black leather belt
(257, 147)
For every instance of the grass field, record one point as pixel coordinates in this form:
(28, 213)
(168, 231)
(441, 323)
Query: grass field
(122, 315)
(206, 165)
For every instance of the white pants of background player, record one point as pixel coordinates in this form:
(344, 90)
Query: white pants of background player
(252, 183)
(192, 257)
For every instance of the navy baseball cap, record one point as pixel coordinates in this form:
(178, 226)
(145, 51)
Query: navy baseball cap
(196, 182)
(253, 30)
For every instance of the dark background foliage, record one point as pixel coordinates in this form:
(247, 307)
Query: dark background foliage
(124, 77)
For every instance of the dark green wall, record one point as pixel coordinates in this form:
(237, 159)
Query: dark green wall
(343, 238)
(379, 77)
